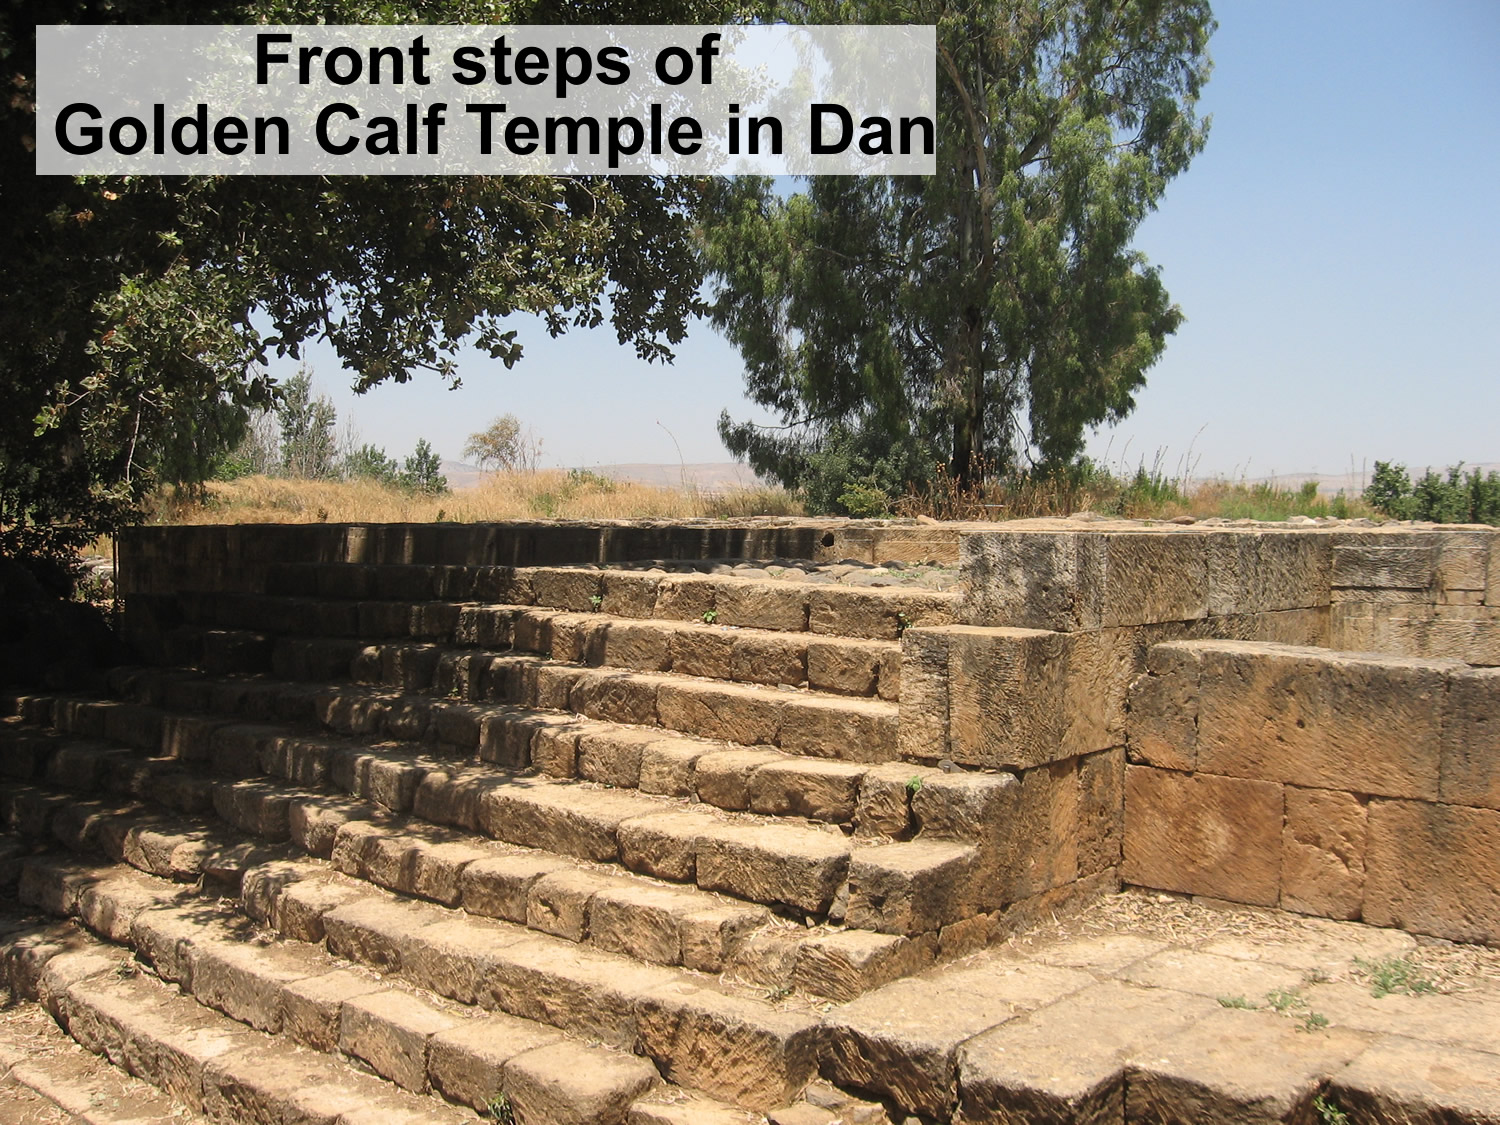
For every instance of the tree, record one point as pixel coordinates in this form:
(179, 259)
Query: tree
(993, 312)
(308, 444)
(423, 471)
(370, 462)
(504, 445)
(126, 302)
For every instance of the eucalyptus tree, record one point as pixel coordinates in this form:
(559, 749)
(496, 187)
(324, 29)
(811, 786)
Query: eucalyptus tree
(990, 314)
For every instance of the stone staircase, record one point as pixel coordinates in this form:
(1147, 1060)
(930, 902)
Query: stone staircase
(572, 843)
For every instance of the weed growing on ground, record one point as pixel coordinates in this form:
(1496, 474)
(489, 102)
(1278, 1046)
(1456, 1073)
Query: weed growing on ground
(1236, 1002)
(710, 616)
(596, 601)
(501, 1110)
(914, 786)
(1328, 1111)
(1394, 974)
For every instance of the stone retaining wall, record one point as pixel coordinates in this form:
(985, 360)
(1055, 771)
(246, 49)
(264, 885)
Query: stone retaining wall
(1265, 764)
(1338, 784)
(238, 557)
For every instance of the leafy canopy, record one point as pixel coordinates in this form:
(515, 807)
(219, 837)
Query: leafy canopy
(989, 314)
(136, 312)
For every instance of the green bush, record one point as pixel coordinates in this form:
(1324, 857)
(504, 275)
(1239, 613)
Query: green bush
(1456, 497)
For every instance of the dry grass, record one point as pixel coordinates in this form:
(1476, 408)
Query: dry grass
(554, 494)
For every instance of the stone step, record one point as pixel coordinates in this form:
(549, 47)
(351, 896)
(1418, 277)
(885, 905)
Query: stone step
(882, 893)
(47, 1079)
(258, 1030)
(812, 724)
(888, 799)
(757, 603)
(437, 973)
(315, 640)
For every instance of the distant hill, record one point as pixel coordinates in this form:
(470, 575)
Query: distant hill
(706, 476)
(1351, 484)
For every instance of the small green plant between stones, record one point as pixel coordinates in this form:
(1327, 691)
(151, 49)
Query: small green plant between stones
(1290, 1002)
(1285, 999)
(1236, 1002)
(903, 623)
(1329, 1112)
(1394, 974)
(596, 601)
(710, 616)
(501, 1110)
(1313, 1021)
(914, 786)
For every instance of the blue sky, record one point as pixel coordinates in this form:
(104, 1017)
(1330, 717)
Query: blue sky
(1335, 248)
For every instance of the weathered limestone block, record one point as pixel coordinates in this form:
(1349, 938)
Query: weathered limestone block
(843, 666)
(761, 605)
(876, 614)
(922, 733)
(573, 1084)
(803, 868)
(685, 597)
(1068, 581)
(727, 1046)
(617, 697)
(903, 1040)
(1067, 1062)
(885, 797)
(759, 659)
(704, 651)
(1260, 571)
(1309, 717)
(1036, 849)
(712, 936)
(311, 1006)
(1432, 869)
(390, 1031)
(911, 888)
(848, 963)
(722, 777)
(1162, 727)
(466, 1063)
(506, 585)
(1202, 834)
(1153, 577)
(967, 807)
(1323, 853)
(729, 711)
(643, 646)
(563, 587)
(1404, 1079)
(500, 887)
(593, 995)
(669, 764)
(627, 594)
(612, 755)
(856, 730)
(1236, 1066)
(559, 903)
(642, 921)
(1369, 567)
(1470, 772)
(1007, 703)
(665, 844)
(1101, 811)
(818, 790)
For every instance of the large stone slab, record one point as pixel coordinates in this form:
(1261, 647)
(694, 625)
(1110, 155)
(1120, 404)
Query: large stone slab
(1217, 836)
(1431, 869)
(1311, 717)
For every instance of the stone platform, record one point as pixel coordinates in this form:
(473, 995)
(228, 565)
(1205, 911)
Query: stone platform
(665, 824)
